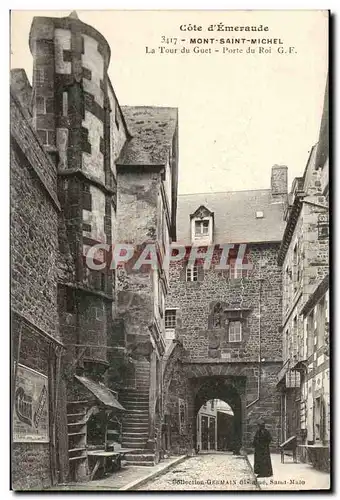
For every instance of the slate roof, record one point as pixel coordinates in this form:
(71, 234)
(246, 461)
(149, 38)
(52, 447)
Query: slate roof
(152, 130)
(234, 216)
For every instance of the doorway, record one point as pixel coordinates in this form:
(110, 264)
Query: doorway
(218, 416)
(215, 424)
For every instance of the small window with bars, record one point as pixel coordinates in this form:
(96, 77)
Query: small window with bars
(170, 319)
(235, 331)
(192, 273)
(201, 228)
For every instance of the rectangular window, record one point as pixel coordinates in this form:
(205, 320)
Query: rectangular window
(235, 331)
(201, 227)
(192, 273)
(170, 319)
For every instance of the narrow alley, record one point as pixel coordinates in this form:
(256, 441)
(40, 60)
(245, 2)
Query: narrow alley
(207, 471)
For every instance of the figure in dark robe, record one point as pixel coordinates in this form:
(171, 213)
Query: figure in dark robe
(262, 460)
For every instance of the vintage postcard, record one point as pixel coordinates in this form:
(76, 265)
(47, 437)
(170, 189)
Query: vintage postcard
(169, 250)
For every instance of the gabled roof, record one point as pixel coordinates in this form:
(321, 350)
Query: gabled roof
(152, 130)
(201, 212)
(234, 215)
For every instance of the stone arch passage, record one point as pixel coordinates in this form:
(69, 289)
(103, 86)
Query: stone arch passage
(220, 388)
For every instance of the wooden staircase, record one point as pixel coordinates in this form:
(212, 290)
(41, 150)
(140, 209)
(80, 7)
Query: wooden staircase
(77, 438)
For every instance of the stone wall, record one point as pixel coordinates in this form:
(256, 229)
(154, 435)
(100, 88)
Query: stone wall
(137, 206)
(195, 303)
(34, 274)
(210, 356)
(305, 264)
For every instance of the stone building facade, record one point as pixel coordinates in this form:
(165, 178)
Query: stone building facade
(227, 321)
(104, 348)
(147, 194)
(214, 425)
(304, 377)
(82, 328)
(35, 334)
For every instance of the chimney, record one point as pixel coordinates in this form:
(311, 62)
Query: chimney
(279, 181)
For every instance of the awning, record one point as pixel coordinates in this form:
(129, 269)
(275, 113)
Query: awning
(300, 366)
(101, 392)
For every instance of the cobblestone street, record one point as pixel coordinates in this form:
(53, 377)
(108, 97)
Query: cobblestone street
(215, 471)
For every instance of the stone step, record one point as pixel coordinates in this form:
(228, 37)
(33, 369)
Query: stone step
(134, 392)
(131, 442)
(133, 419)
(132, 406)
(140, 426)
(135, 435)
(137, 414)
(132, 397)
(145, 463)
(140, 451)
(134, 444)
(136, 402)
(140, 458)
(135, 429)
(138, 423)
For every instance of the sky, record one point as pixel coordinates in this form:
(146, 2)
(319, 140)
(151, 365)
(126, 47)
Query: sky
(239, 114)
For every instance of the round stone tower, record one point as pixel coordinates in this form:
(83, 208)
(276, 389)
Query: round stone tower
(74, 113)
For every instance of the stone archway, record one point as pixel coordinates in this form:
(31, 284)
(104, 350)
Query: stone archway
(227, 389)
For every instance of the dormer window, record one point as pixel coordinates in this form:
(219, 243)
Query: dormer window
(202, 224)
(201, 227)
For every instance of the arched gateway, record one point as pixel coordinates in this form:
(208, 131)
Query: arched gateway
(189, 385)
(226, 389)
